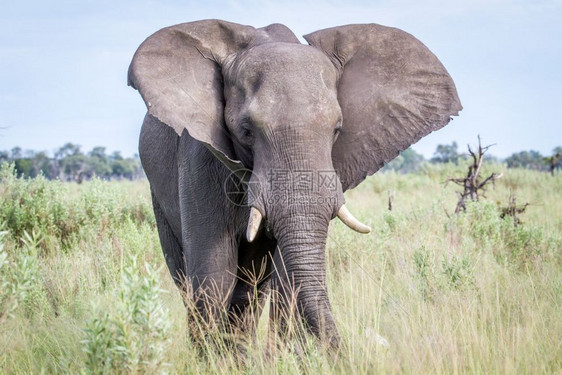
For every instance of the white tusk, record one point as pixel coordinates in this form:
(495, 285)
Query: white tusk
(348, 219)
(253, 224)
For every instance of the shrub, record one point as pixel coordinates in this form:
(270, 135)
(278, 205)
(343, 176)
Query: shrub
(134, 337)
(21, 282)
(63, 213)
(32, 205)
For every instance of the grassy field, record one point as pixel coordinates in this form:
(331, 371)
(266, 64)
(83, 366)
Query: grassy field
(83, 285)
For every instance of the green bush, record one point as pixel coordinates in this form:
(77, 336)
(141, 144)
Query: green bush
(21, 282)
(134, 337)
(29, 205)
(63, 213)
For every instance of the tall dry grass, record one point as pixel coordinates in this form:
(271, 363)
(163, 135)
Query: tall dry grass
(426, 292)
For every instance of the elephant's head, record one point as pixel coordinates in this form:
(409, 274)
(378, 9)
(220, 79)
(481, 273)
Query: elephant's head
(310, 121)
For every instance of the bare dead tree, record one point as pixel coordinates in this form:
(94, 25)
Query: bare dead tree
(390, 199)
(473, 186)
(513, 210)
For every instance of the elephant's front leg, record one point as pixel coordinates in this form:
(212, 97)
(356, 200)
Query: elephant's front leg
(210, 246)
(212, 274)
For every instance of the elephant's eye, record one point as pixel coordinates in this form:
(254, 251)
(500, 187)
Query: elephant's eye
(246, 131)
(337, 129)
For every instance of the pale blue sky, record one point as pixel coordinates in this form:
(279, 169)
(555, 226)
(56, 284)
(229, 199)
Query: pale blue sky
(63, 64)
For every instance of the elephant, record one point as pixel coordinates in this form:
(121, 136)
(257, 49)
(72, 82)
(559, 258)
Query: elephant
(292, 126)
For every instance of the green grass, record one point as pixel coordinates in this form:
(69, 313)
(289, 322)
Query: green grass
(467, 293)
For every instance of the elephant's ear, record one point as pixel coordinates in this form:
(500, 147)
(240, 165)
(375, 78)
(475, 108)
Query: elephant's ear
(177, 71)
(392, 91)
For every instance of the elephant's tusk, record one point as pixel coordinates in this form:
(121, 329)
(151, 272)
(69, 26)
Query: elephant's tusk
(348, 219)
(253, 224)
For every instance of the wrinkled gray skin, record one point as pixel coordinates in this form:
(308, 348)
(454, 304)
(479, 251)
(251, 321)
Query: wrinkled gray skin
(222, 97)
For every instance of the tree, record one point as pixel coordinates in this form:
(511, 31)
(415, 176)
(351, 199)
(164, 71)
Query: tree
(527, 159)
(446, 154)
(24, 167)
(408, 161)
(99, 153)
(473, 185)
(555, 161)
(120, 168)
(4, 156)
(125, 168)
(16, 153)
(513, 210)
(74, 167)
(42, 164)
(98, 163)
(71, 164)
(68, 149)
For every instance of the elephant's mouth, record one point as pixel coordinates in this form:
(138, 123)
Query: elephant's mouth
(255, 220)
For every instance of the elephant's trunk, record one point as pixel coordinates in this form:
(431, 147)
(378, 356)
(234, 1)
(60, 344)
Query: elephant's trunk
(299, 280)
(300, 194)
